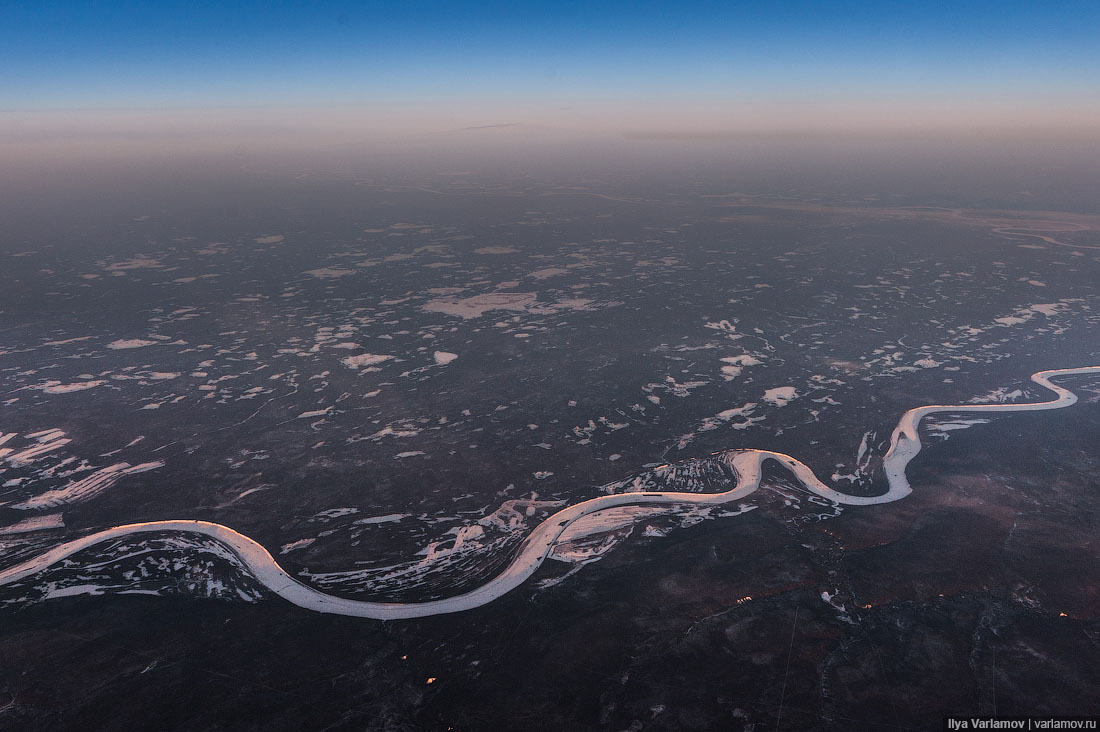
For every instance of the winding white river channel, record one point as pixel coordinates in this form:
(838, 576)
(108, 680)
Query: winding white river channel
(746, 465)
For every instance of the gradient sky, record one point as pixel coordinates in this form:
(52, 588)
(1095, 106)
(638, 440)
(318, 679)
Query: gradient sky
(211, 53)
(687, 65)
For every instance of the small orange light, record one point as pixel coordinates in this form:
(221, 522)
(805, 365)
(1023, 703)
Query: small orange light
(431, 680)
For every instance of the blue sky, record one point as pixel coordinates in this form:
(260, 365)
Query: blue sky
(176, 54)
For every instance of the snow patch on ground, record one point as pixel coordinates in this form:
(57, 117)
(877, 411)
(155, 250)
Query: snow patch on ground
(364, 359)
(780, 396)
(126, 343)
(478, 305)
(56, 387)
